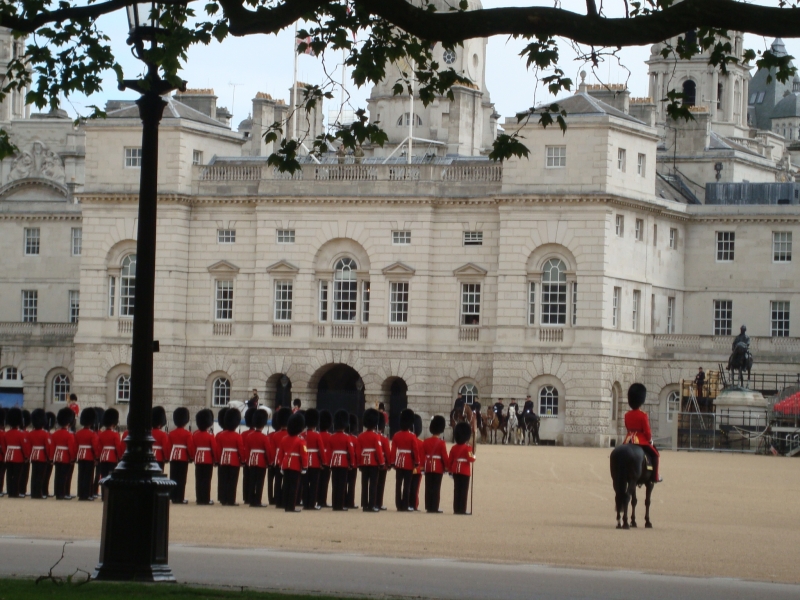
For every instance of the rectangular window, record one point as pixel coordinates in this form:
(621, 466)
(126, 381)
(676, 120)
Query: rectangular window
(398, 302)
(365, 301)
(224, 301)
(619, 226)
(574, 303)
(655, 235)
(127, 294)
(726, 241)
(554, 303)
(32, 236)
(77, 241)
(639, 230)
(283, 300)
(637, 298)
(30, 306)
(323, 301)
(226, 236)
(285, 236)
(670, 315)
(622, 158)
(641, 165)
(779, 319)
(556, 156)
(473, 238)
(112, 290)
(401, 238)
(74, 305)
(532, 303)
(615, 307)
(723, 317)
(470, 303)
(133, 158)
(197, 157)
(782, 246)
(673, 238)
(345, 298)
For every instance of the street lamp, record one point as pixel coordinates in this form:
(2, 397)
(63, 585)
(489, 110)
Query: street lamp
(135, 536)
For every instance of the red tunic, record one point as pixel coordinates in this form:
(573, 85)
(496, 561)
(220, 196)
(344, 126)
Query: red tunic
(316, 450)
(18, 448)
(369, 450)
(88, 444)
(405, 451)
(275, 438)
(435, 455)
(206, 449)
(111, 446)
(182, 445)
(421, 451)
(461, 459)
(342, 454)
(387, 452)
(41, 446)
(638, 425)
(260, 450)
(325, 441)
(293, 454)
(231, 449)
(162, 447)
(75, 408)
(65, 448)
(2, 445)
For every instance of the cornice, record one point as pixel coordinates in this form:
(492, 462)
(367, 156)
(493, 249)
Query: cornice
(40, 217)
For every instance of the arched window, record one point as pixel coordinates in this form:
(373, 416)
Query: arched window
(554, 292)
(616, 390)
(127, 286)
(469, 392)
(689, 92)
(673, 405)
(548, 401)
(123, 389)
(60, 387)
(221, 392)
(345, 290)
(10, 374)
(404, 120)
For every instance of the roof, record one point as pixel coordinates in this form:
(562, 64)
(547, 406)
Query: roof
(718, 142)
(582, 103)
(764, 96)
(788, 107)
(174, 109)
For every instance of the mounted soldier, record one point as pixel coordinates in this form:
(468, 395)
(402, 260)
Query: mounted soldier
(741, 358)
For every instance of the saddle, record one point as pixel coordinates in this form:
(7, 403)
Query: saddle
(634, 438)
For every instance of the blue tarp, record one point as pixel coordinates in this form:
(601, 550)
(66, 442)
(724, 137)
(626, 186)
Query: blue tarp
(11, 398)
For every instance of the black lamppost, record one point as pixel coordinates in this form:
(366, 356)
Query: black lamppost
(135, 537)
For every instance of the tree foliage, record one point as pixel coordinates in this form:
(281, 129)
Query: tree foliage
(67, 53)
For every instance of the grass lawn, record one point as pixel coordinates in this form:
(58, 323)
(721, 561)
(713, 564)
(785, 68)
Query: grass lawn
(27, 589)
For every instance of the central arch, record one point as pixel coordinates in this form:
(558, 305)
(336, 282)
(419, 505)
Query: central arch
(341, 388)
(395, 397)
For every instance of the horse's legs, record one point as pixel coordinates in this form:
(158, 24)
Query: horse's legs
(634, 502)
(647, 523)
(625, 501)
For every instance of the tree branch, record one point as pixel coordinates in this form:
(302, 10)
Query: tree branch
(243, 21)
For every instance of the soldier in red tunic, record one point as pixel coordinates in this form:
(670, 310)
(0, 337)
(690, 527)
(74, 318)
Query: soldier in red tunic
(162, 447)
(638, 425)
(343, 458)
(261, 454)
(435, 452)
(370, 459)
(25, 474)
(279, 421)
(2, 450)
(231, 455)
(17, 452)
(460, 466)
(387, 452)
(325, 424)
(247, 485)
(65, 453)
(88, 453)
(292, 456)
(416, 478)
(405, 458)
(41, 453)
(206, 454)
(316, 458)
(181, 453)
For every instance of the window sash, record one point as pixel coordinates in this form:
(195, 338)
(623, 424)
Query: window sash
(574, 302)
(673, 238)
(365, 301)
(283, 300)
(74, 305)
(32, 241)
(723, 317)
(615, 307)
(470, 303)
(726, 242)
(556, 156)
(398, 302)
(226, 236)
(548, 402)
(670, 315)
(77, 241)
(779, 319)
(285, 236)
(619, 226)
(473, 238)
(323, 301)
(531, 303)
(221, 393)
(30, 306)
(638, 230)
(554, 304)
(641, 165)
(782, 246)
(133, 158)
(621, 159)
(123, 389)
(401, 238)
(127, 295)
(224, 301)
(345, 300)
(112, 285)
(673, 405)
(60, 388)
(637, 296)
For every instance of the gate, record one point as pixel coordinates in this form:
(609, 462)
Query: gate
(349, 400)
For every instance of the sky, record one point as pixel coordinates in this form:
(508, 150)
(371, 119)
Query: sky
(239, 67)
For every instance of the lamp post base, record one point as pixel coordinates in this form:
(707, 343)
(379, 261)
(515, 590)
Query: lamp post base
(135, 538)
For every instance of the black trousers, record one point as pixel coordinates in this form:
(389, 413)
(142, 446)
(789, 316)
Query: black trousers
(24, 477)
(271, 485)
(85, 479)
(63, 474)
(381, 487)
(369, 487)
(177, 472)
(228, 481)
(402, 491)
(47, 476)
(310, 489)
(38, 472)
(290, 489)
(352, 480)
(257, 476)
(246, 484)
(416, 483)
(13, 474)
(460, 494)
(338, 487)
(277, 492)
(202, 483)
(433, 489)
(2, 476)
(322, 488)
(98, 475)
(68, 483)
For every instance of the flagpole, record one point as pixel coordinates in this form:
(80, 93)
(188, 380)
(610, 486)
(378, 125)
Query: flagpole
(294, 86)
(411, 118)
(341, 103)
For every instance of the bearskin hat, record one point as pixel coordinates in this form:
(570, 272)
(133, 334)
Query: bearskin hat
(437, 425)
(312, 418)
(14, 417)
(26, 418)
(221, 416)
(260, 418)
(88, 417)
(181, 416)
(232, 419)
(381, 406)
(296, 402)
(325, 420)
(204, 419)
(381, 421)
(296, 424)
(636, 395)
(417, 425)
(38, 418)
(283, 415)
(74, 398)
(159, 416)
(51, 420)
(462, 433)
(407, 419)
(3, 417)
(340, 420)
(248, 416)
(65, 417)
(111, 418)
(353, 423)
(98, 417)
(371, 418)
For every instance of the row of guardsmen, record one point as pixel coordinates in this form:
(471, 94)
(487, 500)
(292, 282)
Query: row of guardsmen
(298, 461)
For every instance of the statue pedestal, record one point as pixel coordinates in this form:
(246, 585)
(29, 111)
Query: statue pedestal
(737, 398)
(741, 408)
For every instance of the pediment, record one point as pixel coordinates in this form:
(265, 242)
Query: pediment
(470, 270)
(398, 268)
(34, 189)
(223, 267)
(282, 266)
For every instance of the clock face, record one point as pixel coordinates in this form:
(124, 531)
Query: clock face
(449, 56)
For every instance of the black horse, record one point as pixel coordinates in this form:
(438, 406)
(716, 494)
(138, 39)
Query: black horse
(529, 421)
(740, 360)
(629, 470)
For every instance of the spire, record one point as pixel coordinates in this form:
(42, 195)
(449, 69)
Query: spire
(778, 48)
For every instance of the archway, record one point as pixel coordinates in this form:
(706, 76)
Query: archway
(341, 388)
(395, 393)
(279, 391)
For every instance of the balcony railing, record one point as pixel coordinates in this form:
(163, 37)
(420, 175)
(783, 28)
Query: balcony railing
(469, 334)
(282, 330)
(551, 335)
(722, 343)
(125, 326)
(344, 332)
(223, 328)
(38, 330)
(397, 332)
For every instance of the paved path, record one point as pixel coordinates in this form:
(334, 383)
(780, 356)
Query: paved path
(375, 576)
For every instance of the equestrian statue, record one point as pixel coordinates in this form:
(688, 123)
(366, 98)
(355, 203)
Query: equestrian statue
(740, 358)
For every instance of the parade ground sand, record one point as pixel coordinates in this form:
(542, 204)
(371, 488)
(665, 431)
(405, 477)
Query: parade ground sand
(721, 515)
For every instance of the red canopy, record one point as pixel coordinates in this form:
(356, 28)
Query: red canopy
(790, 405)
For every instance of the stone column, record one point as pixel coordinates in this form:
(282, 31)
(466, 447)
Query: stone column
(714, 87)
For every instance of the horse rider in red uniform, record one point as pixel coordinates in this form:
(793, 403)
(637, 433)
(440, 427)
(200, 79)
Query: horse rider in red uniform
(637, 424)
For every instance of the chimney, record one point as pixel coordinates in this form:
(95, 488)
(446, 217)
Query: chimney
(202, 100)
